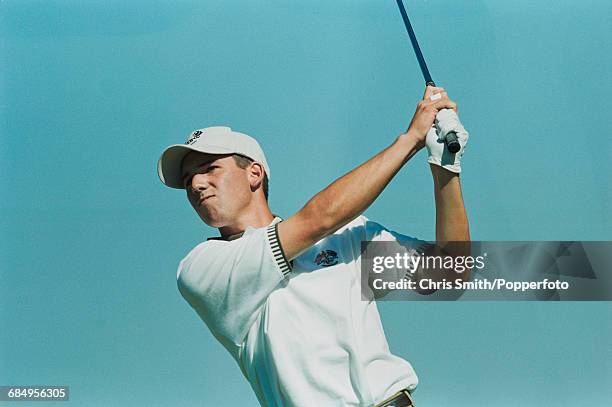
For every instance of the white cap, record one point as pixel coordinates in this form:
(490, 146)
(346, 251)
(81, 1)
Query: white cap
(210, 140)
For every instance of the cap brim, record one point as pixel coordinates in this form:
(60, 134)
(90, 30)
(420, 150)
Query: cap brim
(169, 164)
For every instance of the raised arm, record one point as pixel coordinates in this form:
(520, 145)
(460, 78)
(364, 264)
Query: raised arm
(351, 194)
(451, 218)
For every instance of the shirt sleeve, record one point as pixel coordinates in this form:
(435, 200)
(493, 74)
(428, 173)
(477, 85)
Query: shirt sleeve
(378, 233)
(396, 243)
(227, 283)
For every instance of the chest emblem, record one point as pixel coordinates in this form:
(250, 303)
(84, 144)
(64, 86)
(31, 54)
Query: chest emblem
(326, 258)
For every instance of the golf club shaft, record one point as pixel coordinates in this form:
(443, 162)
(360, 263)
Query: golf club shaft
(452, 143)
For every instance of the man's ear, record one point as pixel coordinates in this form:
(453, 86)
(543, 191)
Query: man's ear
(256, 175)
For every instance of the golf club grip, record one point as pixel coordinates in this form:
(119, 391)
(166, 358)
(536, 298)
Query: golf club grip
(452, 142)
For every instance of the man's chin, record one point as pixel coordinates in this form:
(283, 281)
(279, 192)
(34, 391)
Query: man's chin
(213, 223)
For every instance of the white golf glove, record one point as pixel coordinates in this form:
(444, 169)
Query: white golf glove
(437, 153)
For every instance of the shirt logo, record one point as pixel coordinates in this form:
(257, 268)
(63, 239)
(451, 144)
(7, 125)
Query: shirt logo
(326, 258)
(194, 136)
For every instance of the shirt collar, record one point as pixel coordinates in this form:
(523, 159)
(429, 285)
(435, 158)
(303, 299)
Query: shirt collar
(239, 235)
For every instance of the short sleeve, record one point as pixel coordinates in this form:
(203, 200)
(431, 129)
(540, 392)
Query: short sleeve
(397, 243)
(227, 282)
(377, 233)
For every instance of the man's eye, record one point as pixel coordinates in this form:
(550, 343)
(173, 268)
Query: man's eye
(187, 182)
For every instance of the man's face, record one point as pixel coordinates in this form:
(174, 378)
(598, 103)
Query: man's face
(216, 187)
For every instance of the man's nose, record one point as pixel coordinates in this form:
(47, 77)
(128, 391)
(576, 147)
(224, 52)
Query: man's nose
(199, 182)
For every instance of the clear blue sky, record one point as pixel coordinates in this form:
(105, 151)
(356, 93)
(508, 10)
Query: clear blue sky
(92, 91)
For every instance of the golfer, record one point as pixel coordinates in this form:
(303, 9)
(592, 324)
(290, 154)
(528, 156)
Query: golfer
(284, 296)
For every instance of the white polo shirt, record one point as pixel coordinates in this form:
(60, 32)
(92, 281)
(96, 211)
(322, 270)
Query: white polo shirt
(300, 332)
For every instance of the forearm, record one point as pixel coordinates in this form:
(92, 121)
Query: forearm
(451, 218)
(351, 194)
(345, 198)
(451, 226)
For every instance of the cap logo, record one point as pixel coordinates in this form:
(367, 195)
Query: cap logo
(194, 136)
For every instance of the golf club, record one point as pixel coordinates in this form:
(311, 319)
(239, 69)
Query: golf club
(451, 138)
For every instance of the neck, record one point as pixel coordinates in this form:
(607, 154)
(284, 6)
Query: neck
(257, 217)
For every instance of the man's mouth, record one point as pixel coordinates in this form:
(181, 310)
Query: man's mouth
(203, 199)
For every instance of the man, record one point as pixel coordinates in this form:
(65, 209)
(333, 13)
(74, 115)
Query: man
(284, 296)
